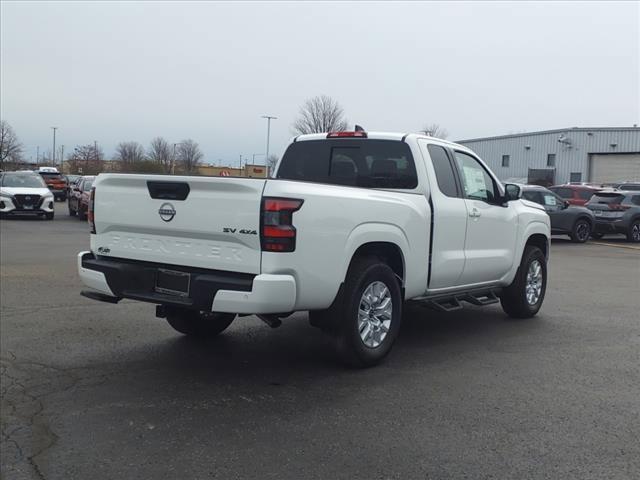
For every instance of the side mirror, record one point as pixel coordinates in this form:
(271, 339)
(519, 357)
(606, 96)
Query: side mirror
(566, 204)
(512, 192)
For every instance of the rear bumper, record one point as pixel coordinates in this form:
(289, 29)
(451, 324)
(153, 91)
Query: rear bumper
(611, 226)
(210, 290)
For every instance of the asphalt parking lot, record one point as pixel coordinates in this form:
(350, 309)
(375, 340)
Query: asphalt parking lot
(92, 390)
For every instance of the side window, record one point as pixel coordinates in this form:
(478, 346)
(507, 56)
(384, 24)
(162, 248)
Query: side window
(532, 196)
(550, 200)
(585, 194)
(444, 170)
(476, 182)
(635, 199)
(564, 192)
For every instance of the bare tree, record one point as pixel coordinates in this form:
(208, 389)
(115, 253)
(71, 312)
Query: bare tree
(188, 156)
(160, 153)
(320, 114)
(271, 163)
(435, 130)
(10, 146)
(86, 159)
(129, 154)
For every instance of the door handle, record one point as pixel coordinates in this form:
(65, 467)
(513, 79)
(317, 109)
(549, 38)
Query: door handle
(474, 213)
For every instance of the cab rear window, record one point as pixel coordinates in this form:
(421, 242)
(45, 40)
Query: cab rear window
(610, 199)
(354, 162)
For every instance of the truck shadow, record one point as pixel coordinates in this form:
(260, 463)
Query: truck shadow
(296, 349)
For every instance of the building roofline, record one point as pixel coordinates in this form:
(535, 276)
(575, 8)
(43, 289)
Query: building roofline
(544, 132)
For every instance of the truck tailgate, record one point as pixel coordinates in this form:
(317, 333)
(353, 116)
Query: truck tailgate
(204, 222)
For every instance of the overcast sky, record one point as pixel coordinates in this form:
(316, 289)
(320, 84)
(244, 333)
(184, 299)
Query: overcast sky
(114, 72)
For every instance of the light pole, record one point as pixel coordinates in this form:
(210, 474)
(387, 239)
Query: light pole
(269, 118)
(173, 159)
(54, 145)
(38, 155)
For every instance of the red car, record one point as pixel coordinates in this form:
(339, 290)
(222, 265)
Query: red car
(575, 194)
(79, 197)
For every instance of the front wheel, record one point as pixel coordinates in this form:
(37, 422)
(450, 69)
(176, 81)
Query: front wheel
(82, 214)
(72, 213)
(523, 298)
(581, 231)
(633, 235)
(199, 324)
(370, 313)
(49, 216)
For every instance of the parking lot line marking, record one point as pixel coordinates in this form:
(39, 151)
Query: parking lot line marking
(615, 245)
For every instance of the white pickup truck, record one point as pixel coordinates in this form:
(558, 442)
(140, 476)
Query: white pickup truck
(353, 225)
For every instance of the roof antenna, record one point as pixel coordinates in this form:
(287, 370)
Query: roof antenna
(359, 128)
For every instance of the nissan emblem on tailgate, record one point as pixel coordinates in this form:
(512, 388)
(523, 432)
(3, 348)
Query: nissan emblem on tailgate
(167, 212)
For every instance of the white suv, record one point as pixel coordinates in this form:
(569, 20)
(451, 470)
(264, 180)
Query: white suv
(25, 193)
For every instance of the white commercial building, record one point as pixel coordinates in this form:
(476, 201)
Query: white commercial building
(600, 155)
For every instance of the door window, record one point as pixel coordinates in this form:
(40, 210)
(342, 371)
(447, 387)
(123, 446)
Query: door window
(444, 170)
(550, 200)
(564, 192)
(532, 196)
(476, 182)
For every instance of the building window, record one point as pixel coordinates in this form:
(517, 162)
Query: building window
(575, 177)
(505, 160)
(551, 160)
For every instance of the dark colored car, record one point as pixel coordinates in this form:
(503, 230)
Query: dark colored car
(616, 211)
(56, 183)
(566, 219)
(575, 194)
(79, 197)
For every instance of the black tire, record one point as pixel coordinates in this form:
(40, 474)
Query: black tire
(199, 324)
(72, 212)
(49, 216)
(365, 273)
(633, 235)
(82, 214)
(581, 231)
(514, 297)
(597, 235)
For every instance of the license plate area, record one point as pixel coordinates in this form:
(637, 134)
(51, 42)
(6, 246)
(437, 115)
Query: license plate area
(173, 282)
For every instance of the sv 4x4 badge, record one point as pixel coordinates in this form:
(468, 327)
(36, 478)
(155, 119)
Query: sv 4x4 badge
(243, 231)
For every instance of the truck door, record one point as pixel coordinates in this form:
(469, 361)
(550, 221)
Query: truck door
(491, 225)
(449, 214)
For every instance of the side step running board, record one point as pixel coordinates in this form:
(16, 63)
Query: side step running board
(445, 305)
(481, 299)
(453, 302)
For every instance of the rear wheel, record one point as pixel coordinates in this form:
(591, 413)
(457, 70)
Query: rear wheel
(82, 214)
(369, 314)
(49, 216)
(199, 324)
(633, 235)
(72, 212)
(523, 298)
(581, 231)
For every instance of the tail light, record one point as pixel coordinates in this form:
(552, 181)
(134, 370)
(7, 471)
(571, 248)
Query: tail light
(90, 215)
(617, 206)
(277, 232)
(357, 134)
